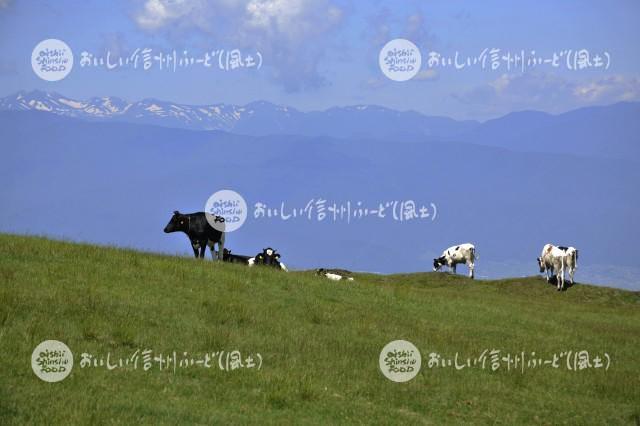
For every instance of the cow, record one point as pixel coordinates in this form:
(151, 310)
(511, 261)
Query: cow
(335, 274)
(454, 255)
(555, 260)
(571, 261)
(200, 232)
(268, 257)
(544, 262)
(227, 256)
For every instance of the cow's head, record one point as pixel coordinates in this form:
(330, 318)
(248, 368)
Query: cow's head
(226, 253)
(541, 264)
(438, 263)
(269, 256)
(178, 222)
(268, 251)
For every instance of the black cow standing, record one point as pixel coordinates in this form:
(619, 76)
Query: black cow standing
(200, 232)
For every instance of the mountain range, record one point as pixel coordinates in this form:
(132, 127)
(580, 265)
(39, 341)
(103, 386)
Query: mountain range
(256, 118)
(604, 131)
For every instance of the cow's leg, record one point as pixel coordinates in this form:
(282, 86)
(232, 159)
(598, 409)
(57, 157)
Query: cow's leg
(195, 246)
(561, 279)
(203, 248)
(453, 268)
(471, 267)
(571, 272)
(221, 246)
(212, 249)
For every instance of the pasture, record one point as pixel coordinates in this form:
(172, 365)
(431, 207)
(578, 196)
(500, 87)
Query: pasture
(319, 341)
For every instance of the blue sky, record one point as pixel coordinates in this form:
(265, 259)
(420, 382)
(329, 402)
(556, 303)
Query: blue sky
(323, 53)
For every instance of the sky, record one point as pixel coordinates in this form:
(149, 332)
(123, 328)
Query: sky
(318, 54)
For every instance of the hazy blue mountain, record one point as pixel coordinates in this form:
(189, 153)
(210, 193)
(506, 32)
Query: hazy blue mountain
(117, 183)
(609, 131)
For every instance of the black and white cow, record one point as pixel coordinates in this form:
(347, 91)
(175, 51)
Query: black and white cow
(454, 255)
(227, 256)
(200, 232)
(268, 257)
(335, 274)
(556, 260)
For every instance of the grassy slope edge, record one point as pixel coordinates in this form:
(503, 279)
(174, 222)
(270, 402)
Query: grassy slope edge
(320, 341)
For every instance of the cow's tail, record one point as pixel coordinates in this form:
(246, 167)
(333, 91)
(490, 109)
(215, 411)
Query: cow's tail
(576, 261)
(473, 254)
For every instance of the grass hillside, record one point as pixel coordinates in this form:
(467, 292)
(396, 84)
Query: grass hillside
(320, 341)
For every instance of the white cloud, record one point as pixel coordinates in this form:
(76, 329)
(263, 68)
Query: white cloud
(291, 34)
(428, 74)
(155, 15)
(615, 87)
(547, 92)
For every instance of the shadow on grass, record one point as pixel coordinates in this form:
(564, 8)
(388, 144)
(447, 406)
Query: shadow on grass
(554, 282)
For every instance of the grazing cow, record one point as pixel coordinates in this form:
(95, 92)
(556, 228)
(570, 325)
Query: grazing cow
(555, 260)
(571, 260)
(227, 256)
(268, 257)
(544, 262)
(200, 232)
(335, 274)
(463, 253)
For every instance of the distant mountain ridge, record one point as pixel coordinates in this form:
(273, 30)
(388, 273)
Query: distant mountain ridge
(611, 131)
(256, 118)
(146, 111)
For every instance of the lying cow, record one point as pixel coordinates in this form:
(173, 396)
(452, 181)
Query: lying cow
(227, 256)
(463, 253)
(200, 232)
(335, 274)
(268, 257)
(556, 260)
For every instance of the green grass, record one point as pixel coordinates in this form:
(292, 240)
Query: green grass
(320, 341)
